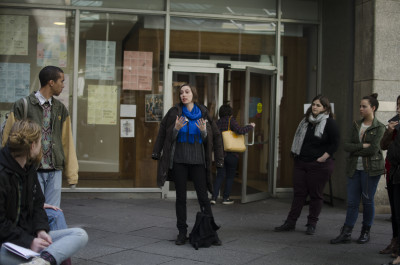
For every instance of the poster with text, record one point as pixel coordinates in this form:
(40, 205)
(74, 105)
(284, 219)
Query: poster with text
(138, 70)
(102, 104)
(52, 47)
(14, 81)
(127, 128)
(14, 35)
(154, 107)
(100, 60)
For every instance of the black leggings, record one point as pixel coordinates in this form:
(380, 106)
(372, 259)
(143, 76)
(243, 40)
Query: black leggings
(197, 173)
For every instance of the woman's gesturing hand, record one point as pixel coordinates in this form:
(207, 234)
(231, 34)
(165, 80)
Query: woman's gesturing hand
(201, 124)
(180, 122)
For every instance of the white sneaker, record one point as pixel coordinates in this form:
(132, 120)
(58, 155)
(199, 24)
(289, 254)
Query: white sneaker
(36, 261)
(213, 201)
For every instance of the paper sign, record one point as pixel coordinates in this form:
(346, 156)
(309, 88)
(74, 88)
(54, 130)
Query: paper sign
(128, 111)
(127, 128)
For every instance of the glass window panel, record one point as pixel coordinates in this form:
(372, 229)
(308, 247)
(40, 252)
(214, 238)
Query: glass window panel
(29, 40)
(120, 63)
(300, 9)
(297, 86)
(224, 40)
(264, 8)
(46, 2)
(134, 4)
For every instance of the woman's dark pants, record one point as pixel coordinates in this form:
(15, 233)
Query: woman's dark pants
(197, 173)
(309, 179)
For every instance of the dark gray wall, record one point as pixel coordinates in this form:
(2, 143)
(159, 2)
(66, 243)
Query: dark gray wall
(337, 75)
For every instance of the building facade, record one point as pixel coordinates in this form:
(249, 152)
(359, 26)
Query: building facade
(123, 61)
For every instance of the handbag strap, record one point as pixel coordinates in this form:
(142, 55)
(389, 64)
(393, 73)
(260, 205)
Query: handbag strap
(229, 123)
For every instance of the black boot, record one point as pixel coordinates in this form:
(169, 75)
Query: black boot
(181, 239)
(285, 227)
(364, 236)
(345, 235)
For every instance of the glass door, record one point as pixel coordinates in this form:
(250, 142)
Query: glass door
(209, 84)
(257, 163)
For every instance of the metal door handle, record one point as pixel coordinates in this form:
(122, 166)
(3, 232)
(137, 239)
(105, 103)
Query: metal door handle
(252, 142)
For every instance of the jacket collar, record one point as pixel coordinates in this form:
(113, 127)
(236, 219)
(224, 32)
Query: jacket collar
(375, 123)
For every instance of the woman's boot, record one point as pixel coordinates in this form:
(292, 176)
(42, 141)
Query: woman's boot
(344, 237)
(390, 248)
(364, 236)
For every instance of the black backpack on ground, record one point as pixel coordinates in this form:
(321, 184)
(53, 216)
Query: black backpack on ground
(204, 231)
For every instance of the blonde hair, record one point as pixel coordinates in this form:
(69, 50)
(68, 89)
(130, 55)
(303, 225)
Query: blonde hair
(22, 135)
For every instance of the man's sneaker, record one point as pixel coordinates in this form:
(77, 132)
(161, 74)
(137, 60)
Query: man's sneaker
(36, 261)
(227, 201)
(213, 201)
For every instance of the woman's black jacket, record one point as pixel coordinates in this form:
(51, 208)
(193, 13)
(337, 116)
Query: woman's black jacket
(20, 192)
(165, 146)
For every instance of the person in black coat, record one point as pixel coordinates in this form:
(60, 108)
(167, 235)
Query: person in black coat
(315, 142)
(23, 220)
(185, 141)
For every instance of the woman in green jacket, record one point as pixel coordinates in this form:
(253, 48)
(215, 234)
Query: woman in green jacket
(365, 166)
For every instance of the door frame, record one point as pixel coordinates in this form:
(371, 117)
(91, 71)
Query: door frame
(245, 198)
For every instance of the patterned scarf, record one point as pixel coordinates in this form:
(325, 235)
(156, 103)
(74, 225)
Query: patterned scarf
(319, 121)
(190, 133)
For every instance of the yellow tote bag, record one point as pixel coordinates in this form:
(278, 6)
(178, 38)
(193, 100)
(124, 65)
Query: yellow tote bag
(233, 142)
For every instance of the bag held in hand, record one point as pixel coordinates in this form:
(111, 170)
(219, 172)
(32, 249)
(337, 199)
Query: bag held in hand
(204, 233)
(233, 142)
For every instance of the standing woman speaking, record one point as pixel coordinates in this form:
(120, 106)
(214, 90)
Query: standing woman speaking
(185, 141)
(364, 168)
(315, 142)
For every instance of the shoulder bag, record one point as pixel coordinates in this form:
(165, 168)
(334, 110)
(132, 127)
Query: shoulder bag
(233, 142)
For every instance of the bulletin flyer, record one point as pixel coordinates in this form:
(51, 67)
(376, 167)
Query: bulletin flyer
(102, 104)
(52, 47)
(14, 35)
(14, 81)
(100, 60)
(138, 70)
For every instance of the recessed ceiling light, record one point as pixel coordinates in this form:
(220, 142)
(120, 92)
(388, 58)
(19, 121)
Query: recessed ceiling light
(59, 23)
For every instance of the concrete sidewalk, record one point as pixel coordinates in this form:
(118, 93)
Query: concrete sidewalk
(142, 231)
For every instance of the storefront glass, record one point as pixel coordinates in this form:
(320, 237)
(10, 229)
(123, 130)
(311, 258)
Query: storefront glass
(131, 4)
(296, 87)
(263, 8)
(29, 40)
(119, 99)
(224, 40)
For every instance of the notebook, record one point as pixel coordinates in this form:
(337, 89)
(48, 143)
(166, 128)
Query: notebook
(20, 251)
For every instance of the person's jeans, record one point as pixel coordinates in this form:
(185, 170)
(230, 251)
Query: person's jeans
(66, 242)
(228, 171)
(361, 186)
(50, 182)
(197, 173)
(56, 219)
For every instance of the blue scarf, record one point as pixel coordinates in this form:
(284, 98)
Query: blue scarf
(190, 133)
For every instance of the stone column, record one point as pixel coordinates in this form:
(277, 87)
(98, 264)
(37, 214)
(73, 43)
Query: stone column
(377, 64)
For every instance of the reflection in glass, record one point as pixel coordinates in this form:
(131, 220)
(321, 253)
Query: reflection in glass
(223, 40)
(113, 50)
(263, 8)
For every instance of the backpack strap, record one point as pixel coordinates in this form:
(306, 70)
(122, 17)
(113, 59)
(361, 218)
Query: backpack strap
(25, 108)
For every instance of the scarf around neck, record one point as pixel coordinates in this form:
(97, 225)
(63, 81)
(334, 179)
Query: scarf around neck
(190, 133)
(319, 122)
